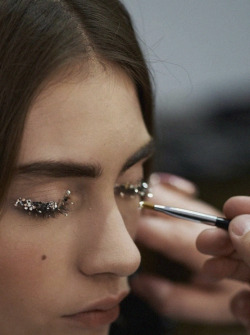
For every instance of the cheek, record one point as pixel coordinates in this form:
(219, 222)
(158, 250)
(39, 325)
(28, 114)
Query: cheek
(21, 283)
(32, 270)
(21, 266)
(25, 258)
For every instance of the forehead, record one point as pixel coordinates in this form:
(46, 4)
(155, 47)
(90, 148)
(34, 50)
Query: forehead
(96, 117)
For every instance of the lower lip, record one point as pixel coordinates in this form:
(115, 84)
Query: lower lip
(96, 318)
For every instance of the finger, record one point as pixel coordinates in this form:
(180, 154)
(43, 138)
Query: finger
(178, 301)
(174, 182)
(164, 195)
(240, 306)
(223, 267)
(215, 242)
(170, 197)
(236, 206)
(173, 239)
(239, 230)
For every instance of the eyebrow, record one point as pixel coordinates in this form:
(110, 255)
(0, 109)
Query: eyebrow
(66, 169)
(146, 151)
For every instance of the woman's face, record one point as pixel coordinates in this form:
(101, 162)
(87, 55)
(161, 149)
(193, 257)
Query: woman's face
(64, 270)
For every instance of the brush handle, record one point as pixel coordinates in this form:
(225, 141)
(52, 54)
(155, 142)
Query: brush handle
(222, 223)
(186, 214)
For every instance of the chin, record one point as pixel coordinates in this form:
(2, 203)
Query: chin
(98, 331)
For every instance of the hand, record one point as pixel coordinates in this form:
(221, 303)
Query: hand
(199, 300)
(231, 253)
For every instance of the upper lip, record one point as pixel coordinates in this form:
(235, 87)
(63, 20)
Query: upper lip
(104, 304)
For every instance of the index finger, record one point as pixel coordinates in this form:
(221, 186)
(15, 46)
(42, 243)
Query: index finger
(236, 206)
(215, 242)
(175, 239)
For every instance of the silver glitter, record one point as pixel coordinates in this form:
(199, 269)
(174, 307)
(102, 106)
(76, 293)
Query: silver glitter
(46, 208)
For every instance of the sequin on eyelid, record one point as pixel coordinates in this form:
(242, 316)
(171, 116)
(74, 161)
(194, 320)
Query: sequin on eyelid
(48, 209)
(141, 189)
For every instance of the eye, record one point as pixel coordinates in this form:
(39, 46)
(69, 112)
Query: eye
(44, 209)
(140, 190)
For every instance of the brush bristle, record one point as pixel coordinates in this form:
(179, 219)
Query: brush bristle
(144, 204)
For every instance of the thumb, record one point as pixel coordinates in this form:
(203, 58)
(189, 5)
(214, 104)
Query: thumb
(239, 230)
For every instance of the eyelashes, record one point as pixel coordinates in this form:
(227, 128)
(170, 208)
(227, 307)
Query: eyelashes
(52, 208)
(44, 209)
(129, 190)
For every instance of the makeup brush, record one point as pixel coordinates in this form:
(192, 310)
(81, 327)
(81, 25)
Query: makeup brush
(185, 214)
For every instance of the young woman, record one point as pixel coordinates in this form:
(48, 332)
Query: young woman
(75, 108)
(75, 134)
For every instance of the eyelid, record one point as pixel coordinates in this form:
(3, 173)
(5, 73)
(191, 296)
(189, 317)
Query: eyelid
(52, 208)
(44, 209)
(140, 189)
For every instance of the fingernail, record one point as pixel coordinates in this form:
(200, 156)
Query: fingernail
(241, 226)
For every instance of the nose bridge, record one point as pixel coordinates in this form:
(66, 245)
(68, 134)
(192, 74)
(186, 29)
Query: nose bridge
(113, 249)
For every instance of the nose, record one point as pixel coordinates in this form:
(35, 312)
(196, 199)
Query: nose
(109, 248)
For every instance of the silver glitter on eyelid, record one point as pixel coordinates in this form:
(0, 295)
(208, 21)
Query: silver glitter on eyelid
(44, 208)
(49, 209)
(141, 189)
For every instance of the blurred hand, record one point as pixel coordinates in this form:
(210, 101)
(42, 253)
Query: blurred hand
(231, 253)
(201, 300)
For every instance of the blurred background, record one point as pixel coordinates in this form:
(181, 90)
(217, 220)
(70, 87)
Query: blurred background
(199, 55)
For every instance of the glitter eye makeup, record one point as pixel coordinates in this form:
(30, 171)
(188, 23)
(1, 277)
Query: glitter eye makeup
(140, 189)
(44, 209)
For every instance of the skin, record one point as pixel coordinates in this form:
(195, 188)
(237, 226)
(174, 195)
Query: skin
(51, 267)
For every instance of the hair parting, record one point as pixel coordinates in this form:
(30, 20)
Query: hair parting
(44, 37)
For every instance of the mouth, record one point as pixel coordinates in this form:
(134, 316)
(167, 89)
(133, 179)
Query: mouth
(99, 313)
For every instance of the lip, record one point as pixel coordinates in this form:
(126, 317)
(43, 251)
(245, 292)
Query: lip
(98, 313)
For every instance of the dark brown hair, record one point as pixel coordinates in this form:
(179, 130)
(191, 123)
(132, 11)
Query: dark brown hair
(38, 37)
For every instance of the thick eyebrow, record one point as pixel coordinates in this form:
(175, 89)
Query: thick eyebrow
(66, 169)
(60, 169)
